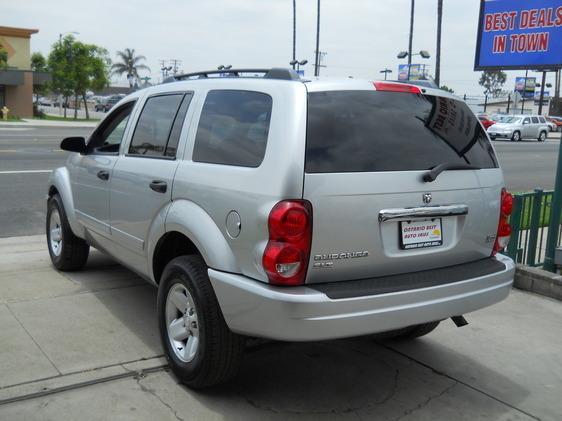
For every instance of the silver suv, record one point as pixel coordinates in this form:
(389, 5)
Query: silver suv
(288, 209)
(520, 127)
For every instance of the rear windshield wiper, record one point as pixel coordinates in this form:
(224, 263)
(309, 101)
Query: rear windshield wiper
(432, 174)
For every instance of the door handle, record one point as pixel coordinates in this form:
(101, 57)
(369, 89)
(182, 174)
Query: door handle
(103, 175)
(159, 186)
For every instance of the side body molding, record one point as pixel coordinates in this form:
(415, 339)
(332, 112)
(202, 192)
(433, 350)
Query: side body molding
(60, 179)
(188, 218)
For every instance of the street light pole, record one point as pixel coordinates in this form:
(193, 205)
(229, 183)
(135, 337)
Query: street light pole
(411, 37)
(317, 59)
(438, 49)
(294, 30)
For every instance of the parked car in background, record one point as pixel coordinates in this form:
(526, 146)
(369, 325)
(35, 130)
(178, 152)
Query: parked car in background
(108, 103)
(45, 102)
(486, 122)
(265, 207)
(520, 127)
(557, 121)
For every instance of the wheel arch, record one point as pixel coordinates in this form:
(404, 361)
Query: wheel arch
(188, 229)
(59, 183)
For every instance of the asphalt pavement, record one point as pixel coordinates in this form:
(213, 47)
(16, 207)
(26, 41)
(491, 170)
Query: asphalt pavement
(28, 154)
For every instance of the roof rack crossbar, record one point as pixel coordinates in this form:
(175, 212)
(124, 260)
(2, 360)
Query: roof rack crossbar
(274, 73)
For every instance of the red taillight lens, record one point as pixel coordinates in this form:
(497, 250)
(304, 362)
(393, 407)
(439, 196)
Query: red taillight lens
(504, 229)
(285, 259)
(396, 87)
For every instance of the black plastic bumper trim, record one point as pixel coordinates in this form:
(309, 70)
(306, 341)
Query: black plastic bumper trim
(409, 281)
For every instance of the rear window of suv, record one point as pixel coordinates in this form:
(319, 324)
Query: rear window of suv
(369, 131)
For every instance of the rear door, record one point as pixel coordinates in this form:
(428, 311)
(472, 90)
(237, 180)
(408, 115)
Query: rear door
(366, 154)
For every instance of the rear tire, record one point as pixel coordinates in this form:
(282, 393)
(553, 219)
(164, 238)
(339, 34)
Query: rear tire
(493, 137)
(68, 252)
(516, 136)
(542, 136)
(408, 333)
(201, 350)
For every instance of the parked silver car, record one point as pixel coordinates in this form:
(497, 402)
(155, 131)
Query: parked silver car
(289, 209)
(520, 127)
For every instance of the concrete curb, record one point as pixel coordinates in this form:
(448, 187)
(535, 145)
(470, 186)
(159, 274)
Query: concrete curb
(48, 123)
(538, 281)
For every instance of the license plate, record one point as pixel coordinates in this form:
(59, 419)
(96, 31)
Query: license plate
(421, 234)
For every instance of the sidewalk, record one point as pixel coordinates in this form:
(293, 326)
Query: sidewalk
(84, 345)
(47, 123)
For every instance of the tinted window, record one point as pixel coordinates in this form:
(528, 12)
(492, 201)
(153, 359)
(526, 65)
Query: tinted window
(107, 138)
(535, 120)
(172, 146)
(154, 125)
(527, 120)
(356, 131)
(233, 128)
(542, 120)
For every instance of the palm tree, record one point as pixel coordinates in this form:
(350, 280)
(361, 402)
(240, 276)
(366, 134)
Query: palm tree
(129, 65)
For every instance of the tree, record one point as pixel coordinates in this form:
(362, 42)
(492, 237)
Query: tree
(446, 88)
(3, 58)
(492, 81)
(76, 68)
(38, 64)
(129, 65)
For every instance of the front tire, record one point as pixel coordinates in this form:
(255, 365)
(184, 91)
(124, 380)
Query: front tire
(200, 348)
(68, 252)
(542, 136)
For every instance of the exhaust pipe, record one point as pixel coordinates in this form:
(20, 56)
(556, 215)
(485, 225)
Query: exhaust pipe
(459, 321)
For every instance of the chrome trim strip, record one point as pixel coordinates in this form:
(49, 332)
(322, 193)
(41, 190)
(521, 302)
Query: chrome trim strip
(422, 212)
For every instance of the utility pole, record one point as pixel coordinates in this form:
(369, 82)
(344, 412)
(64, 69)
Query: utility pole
(542, 92)
(411, 37)
(438, 49)
(294, 31)
(524, 91)
(317, 60)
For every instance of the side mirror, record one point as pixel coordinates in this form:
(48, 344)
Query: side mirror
(74, 144)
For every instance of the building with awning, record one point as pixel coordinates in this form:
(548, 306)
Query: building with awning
(17, 81)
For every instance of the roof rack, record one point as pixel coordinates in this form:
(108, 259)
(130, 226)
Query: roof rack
(274, 73)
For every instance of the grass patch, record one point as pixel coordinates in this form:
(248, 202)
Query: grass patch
(11, 119)
(527, 212)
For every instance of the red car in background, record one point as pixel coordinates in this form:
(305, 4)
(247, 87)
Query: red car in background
(557, 121)
(486, 122)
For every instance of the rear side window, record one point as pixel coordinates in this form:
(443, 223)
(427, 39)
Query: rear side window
(154, 125)
(369, 131)
(542, 120)
(233, 128)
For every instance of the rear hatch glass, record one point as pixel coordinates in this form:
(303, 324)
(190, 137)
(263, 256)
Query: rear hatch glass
(358, 131)
(366, 153)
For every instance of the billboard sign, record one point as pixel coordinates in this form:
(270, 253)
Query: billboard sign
(416, 72)
(525, 86)
(519, 34)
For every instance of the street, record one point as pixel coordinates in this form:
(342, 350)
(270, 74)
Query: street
(27, 155)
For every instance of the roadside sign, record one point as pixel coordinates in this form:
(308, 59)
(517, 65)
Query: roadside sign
(525, 86)
(519, 34)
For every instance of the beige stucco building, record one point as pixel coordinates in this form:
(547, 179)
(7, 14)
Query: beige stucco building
(16, 82)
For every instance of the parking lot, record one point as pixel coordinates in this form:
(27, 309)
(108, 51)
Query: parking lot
(85, 345)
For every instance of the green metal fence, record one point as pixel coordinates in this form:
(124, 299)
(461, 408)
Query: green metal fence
(529, 222)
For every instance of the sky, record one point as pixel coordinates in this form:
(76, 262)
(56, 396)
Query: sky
(360, 37)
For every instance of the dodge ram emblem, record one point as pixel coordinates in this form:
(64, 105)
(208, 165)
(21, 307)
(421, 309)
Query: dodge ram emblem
(426, 198)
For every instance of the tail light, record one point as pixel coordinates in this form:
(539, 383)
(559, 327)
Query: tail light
(397, 87)
(504, 229)
(285, 259)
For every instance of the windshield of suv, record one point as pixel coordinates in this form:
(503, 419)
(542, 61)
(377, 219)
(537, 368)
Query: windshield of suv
(368, 131)
(513, 120)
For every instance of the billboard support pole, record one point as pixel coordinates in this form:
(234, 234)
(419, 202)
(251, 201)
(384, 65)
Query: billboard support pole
(508, 103)
(411, 38)
(542, 92)
(485, 102)
(524, 92)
